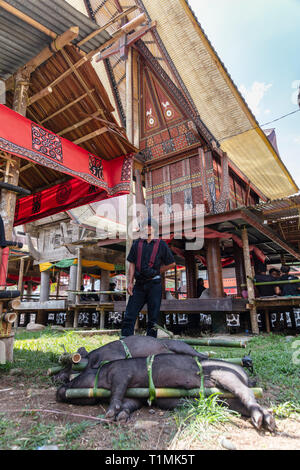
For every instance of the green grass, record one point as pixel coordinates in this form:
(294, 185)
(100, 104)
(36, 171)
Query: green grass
(274, 367)
(196, 420)
(37, 434)
(34, 352)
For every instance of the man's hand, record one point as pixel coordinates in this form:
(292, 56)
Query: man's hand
(163, 268)
(130, 288)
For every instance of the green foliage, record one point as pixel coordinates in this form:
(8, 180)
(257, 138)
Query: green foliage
(39, 434)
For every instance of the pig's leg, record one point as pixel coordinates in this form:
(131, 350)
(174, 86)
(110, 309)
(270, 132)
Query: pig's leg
(180, 347)
(230, 381)
(129, 405)
(119, 386)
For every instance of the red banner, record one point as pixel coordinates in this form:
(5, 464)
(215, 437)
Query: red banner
(26, 139)
(93, 179)
(65, 196)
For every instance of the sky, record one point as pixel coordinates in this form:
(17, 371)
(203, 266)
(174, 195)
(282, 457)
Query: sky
(259, 43)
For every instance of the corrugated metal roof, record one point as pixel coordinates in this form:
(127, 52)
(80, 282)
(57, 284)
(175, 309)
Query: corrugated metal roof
(20, 41)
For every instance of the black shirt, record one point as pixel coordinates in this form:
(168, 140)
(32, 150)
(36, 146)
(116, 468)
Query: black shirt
(289, 289)
(265, 291)
(164, 257)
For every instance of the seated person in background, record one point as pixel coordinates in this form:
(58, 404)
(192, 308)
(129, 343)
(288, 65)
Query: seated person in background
(83, 297)
(265, 291)
(114, 297)
(200, 286)
(288, 289)
(94, 297)
(275, 274)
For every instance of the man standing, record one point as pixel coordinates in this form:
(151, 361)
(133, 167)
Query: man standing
(148, 259)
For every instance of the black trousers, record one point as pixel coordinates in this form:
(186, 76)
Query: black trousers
(148, 292)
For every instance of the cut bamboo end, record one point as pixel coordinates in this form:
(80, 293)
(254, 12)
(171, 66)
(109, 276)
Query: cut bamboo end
(8, 317)
(76, 358)
(14, 303)
(160, 393)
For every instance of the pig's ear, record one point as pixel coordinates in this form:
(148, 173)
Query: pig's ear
(83, 352)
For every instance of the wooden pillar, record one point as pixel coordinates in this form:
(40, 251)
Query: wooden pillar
(78, 287)
(240, 280)
(45, 286)
(78, 275)
(129, 132)
(12, 171)
(214, 267)
(21, 275)
(29, 289)
(176, 283)
(104, 284)
(42, 315)
(57, 283)
(139, 195)
(72, 283)
(215, 280)
(239, 268)
(250, 284)
(191, 274)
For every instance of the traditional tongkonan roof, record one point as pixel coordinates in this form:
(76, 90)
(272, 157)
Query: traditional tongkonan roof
(180, 47)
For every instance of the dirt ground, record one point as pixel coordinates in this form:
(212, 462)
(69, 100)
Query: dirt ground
(147, 429)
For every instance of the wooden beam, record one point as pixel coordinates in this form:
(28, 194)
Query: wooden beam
(78, 124)
(27, 19)
(41, 94)
(107, 25)
(131, 39)
(91, 135)
(64, 108)
(82, 81)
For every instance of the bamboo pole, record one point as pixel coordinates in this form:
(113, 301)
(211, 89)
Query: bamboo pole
(82, 364)
(215, 342)
(160, 393)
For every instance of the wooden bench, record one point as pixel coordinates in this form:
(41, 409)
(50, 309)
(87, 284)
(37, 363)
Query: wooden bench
(191, 306)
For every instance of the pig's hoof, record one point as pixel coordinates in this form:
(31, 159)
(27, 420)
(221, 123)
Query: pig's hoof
(269, 422)
(257, 417)
(123, 416)
(113, 411)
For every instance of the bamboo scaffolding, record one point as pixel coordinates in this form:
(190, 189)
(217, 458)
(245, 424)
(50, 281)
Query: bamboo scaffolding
(160, 393)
